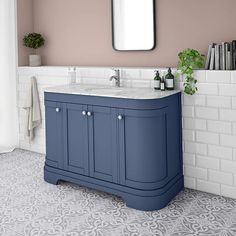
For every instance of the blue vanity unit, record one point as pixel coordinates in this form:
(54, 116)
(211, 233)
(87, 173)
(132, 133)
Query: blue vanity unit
(123, 141)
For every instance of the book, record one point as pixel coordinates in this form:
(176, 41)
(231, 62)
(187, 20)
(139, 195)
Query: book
(223, 56)
(228, 60)
(221, 61)
(208, 58)
(231, 55)
(234, 54)
(217, 57)
(212, 61)
(227, 52)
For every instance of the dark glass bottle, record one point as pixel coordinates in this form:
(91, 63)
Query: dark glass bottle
(169, 79)
(163, 85)
(157, 80)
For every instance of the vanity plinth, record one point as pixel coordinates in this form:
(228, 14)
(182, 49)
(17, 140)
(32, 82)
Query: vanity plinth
(125, 144)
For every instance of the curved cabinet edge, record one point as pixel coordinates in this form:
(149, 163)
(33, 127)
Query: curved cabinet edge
(153, 202)
(137, 199)
(124, 103)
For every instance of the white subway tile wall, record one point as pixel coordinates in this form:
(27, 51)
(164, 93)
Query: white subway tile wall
(207, 186)
(209, 119)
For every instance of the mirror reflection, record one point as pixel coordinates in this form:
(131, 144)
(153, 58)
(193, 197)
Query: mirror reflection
(133, 25)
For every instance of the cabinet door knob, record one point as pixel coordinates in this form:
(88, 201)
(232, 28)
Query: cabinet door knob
(84, 113)
(120, 117)
(89, 113)
(58, 109)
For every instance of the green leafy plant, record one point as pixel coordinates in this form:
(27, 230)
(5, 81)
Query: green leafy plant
(190, 59)
(33, 40)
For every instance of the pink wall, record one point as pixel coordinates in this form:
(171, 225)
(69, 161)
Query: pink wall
(25, 25)
(78, 32)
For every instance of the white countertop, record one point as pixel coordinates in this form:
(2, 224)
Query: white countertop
(108, 91)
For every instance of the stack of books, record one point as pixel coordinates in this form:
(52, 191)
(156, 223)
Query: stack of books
(221, 56)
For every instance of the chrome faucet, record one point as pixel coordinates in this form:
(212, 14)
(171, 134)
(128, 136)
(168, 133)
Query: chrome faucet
(116, 77)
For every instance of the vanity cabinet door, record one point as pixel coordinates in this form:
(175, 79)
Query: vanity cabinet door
(143, 148)
(76, 130)
(54, 134)
(102, 143)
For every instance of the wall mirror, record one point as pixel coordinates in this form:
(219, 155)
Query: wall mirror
(133, 23)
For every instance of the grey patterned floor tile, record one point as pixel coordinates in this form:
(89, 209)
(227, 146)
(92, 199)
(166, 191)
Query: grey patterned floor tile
(30, 206)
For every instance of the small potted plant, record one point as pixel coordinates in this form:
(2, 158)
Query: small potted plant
(35, 41)
(190, 59)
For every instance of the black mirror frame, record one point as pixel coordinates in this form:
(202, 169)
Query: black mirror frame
(154, 31)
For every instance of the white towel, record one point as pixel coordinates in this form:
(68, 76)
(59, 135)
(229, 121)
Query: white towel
(32, 107)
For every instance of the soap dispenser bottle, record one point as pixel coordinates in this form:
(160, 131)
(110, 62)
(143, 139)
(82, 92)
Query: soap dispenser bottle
(157, 80)
(72, 75)
(163, 84)
(169, 78)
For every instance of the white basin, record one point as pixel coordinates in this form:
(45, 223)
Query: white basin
(108, 91)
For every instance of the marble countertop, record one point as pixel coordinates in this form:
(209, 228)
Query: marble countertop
(108, 91)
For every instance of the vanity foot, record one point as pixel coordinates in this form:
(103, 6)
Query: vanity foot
(151, 203)
(51, 178)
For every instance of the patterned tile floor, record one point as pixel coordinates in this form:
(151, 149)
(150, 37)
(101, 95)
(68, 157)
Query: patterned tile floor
(30, 206)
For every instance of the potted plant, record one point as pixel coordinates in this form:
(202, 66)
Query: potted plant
(190, 59)
(35, 41)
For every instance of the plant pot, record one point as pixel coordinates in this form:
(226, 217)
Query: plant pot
(35, 60)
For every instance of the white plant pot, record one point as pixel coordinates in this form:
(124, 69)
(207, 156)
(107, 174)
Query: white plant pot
(35, 60)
